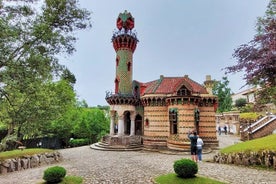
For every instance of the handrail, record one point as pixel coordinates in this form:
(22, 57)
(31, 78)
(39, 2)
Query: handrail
(268, 122)
(256, 123)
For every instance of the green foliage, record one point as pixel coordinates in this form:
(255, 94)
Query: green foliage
(264, 143)
(31, 113)
(78, 142)
(249, 116)
(54, 174)
(72, 180)
(266, 95)
(223, 92)
(18, 153)
(241, 102)
(69, 180)
(174, 179)
(84, 123)
(185, 168)
(247, 108)
(32, 37)
(91, 123)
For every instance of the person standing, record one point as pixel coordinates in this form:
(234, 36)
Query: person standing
(225, 129)
(200, 144)
(193, 138)
(219, 130)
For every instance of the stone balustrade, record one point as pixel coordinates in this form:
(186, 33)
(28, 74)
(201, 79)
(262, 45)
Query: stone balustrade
(29, 161)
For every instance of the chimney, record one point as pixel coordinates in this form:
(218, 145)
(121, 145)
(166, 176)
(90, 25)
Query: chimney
(209, 83)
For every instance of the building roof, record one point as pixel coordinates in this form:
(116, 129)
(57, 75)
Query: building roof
(170, 85)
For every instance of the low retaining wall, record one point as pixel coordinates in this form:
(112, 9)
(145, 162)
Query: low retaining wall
(29, 161)
(262, 158)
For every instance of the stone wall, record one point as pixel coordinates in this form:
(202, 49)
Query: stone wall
(29, 161)
(262, 158)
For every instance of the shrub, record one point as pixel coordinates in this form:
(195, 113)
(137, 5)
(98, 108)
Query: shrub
(185, 168)
(54, 174)
(78, 142)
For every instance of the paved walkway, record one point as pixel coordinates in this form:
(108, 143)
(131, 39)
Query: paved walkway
(105, 167)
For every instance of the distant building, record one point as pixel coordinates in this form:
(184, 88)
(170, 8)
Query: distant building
(248, 94)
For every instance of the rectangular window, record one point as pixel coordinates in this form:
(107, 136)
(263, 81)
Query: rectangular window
(173, 121)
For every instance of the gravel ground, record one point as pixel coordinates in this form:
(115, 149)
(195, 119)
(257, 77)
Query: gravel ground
(106, 167)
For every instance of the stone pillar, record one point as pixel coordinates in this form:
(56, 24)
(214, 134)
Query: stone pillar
(112, 118)
(121, 127)
(132, 125)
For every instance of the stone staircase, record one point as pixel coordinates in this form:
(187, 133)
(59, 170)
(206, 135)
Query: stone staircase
(263, 127)
(119, 143)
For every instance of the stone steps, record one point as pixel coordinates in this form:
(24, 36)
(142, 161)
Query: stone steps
(105, 147)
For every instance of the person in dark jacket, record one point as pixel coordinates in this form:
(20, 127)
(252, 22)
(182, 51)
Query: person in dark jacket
(193, 138)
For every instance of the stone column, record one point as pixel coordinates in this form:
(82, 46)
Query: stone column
(121, 127)
(132, 125)
(112, 118)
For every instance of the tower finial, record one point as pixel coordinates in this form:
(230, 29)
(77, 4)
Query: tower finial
(125, 20)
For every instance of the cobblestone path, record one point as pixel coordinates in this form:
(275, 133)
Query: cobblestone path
(105, 167)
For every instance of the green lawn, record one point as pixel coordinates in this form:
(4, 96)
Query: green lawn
(18, 153)
(265, 143)
(69, 180)
(172, 178)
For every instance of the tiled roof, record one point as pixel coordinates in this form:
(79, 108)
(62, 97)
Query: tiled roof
(169, 85)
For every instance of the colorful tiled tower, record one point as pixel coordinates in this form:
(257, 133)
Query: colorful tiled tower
(124, 43)
(123, 102)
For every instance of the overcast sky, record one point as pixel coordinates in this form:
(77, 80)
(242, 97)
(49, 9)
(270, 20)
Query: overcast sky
(176, 38)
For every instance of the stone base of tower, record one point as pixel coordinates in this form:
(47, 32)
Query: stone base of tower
(151, 143)
(119, 143)
(159, 144)
(185, 146)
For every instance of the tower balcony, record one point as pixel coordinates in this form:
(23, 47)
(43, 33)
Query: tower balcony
(124, 40)
(121, 99)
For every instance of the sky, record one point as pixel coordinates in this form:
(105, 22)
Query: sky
(176, 38)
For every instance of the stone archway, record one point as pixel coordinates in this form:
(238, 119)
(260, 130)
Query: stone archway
(138, 125)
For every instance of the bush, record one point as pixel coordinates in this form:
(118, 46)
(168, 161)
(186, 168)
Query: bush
(185, 168)
(78, 142)
(54, 174)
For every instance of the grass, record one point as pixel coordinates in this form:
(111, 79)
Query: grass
(69, 180)
(172, 178)
(265, 143)
(18, 153)
(72, 180)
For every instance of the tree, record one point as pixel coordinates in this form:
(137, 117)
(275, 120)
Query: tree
(241, 102)
(33, 38)
(28, 114)
(93, 124)
(223, 92)
(33, 34)
(258, 57)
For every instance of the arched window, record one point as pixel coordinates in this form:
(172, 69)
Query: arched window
(147, 122)
(135, 93)
(128, 66)
(183, 91)
(116, 85)
(117, 61)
